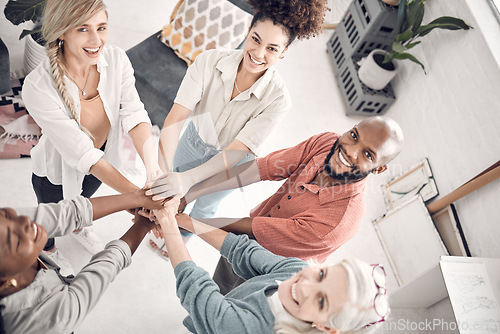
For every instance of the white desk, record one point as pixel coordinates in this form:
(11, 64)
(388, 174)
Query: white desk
(472, 284)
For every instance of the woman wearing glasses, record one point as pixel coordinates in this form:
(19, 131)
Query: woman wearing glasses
(283, 295)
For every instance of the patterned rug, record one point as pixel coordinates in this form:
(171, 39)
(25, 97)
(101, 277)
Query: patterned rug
(18, 131)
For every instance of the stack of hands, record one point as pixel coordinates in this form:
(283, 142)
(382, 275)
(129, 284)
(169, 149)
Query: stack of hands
(165, 192)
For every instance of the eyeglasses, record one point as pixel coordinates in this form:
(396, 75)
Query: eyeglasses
(380, 301)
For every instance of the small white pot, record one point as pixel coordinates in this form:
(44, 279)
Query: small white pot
(391, 2)
(34, 54)
(371, 72)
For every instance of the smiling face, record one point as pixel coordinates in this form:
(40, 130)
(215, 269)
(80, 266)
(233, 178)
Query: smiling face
(21, 241)
(364, 149)
(314, 294)
(84, 43)
(265, 43)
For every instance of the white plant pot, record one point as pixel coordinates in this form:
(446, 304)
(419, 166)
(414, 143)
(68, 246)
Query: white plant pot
(34, 54)
(391, 2)
(372, 74)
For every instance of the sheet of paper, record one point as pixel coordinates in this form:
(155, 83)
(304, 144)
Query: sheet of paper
(472, 298)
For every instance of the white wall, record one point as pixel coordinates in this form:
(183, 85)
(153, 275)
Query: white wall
(452, 116)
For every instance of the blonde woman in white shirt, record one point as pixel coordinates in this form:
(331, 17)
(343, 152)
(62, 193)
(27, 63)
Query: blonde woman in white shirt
(234, 98)
(82, 97)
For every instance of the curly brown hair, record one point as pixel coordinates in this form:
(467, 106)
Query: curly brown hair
(301, 18)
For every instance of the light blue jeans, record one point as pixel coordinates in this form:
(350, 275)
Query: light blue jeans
(191, 152)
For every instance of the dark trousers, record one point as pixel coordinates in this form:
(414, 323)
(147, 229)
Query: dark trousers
(225, 277)
(46, 192)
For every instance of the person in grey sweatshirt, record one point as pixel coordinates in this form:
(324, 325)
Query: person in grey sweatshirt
(280, 295)
(34, 296)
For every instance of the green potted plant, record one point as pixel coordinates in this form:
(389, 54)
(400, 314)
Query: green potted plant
(20, 11)
(410, 15)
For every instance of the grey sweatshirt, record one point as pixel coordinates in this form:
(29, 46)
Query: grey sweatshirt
(245, 309)
(53, 303)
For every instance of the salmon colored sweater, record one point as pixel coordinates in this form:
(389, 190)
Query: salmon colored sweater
(301, 219)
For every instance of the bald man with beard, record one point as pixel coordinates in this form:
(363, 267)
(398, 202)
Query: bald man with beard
(320, 205)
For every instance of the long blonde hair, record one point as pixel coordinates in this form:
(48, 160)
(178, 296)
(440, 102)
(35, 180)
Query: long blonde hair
(59, 17)
(356, 314)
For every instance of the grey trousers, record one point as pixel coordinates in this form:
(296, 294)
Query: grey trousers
(225, 276)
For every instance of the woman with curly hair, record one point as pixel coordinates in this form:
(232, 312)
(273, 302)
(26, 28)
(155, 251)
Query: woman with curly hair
(235, 98)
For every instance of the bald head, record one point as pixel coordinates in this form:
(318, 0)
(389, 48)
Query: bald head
(366, 148)
(389, 133)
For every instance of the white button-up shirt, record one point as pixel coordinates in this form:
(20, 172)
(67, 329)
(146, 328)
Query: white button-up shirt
(207, 88)
(64, 153)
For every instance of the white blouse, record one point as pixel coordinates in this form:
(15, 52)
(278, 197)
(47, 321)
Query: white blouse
(64, 153)
(207, 88)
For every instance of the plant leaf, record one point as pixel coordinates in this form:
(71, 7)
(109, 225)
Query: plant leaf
(28, 32)
(451, 20)
(409, 12)
(398, 47)
(31, 32)
(388, 57)
(419, 15)
(408, 56)
(410, 45)
(404, 37)
(443, 22)
(402, 14)
(415, 13)
(17, 11)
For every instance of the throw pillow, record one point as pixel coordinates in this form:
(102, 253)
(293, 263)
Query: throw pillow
(199, 25)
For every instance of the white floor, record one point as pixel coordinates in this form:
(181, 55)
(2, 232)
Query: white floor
(142, 298)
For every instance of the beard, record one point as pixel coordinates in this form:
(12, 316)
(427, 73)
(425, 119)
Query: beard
(354, 175)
